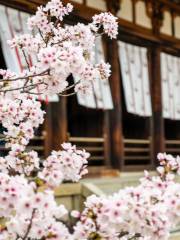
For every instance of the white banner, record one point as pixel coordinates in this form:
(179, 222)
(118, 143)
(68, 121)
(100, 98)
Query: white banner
(12, 23)
(170, 77)
(101, 95)
(135, 78)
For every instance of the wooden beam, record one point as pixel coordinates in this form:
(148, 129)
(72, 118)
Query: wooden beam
(170, 4)
(23, 5)
(116, 132)
(107, 139)
(59, 123)
(157, 128)
(115, 115)
(114, 3)
(84, 13)
(47, 131)
(134, 10)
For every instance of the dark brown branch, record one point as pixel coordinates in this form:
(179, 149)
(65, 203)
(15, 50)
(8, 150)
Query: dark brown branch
(70, 87)
(33, 93)
(25, 77)
(137, 235)
(67, 95)
(41, 35)
(24, 54)
(59, 42)
(29, 226)
(32, 86)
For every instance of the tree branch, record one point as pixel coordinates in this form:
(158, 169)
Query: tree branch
(67, 95)
(30, 225)
(43, 73)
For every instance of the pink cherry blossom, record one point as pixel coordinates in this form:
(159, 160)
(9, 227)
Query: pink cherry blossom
(28, 207)
(57, 9)
(69, 164)
(60, 51)
(109, 23)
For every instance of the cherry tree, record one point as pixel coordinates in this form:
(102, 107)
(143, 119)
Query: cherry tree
(148, 211)
(28, 209)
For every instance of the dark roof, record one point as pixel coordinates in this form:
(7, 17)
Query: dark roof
(175, 1)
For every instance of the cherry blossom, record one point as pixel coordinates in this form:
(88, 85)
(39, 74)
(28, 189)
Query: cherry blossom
(28, 209)
(148, 211)
(20, 116)
(60, 51)
(108, 22)
(26, 42)
(57, 9)
(104, 70)
(22, 205)
(68, 164)
(168, 164)
(40, 21)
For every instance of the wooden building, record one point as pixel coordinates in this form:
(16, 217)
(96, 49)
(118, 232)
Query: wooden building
(123, 137)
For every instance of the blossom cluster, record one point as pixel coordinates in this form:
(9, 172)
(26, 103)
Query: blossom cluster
(26, 42)
(42, 18)
(6, 73)
(68, 164)
(19, 161)
(108, 23)
(60, 51)
(20, 116)
(23, 205)
(56, 9)
(148, 211)
(168, 164)
(28, 209)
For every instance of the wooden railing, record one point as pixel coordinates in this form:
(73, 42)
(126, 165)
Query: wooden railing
(36, 144)
(96, 146)
(172, 147)
(137, 153)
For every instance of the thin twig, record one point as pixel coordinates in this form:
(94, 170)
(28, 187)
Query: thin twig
(59, 42)
(30, 225)
(33, 93)
(41, 35)
(73, 85)
(67, 95)
(32, 86)
(24, 54)
(28, 65)
(25, 77)
(137, 235)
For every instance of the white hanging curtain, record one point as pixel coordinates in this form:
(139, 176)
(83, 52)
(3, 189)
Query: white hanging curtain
(170, 80)
(135, 78)
(101, 95)
(12, 23)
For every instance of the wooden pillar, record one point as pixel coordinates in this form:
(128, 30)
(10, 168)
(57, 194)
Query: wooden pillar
(107, 143)
(115, 115)
(157, 128)
(59, 123)
(47, 133)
